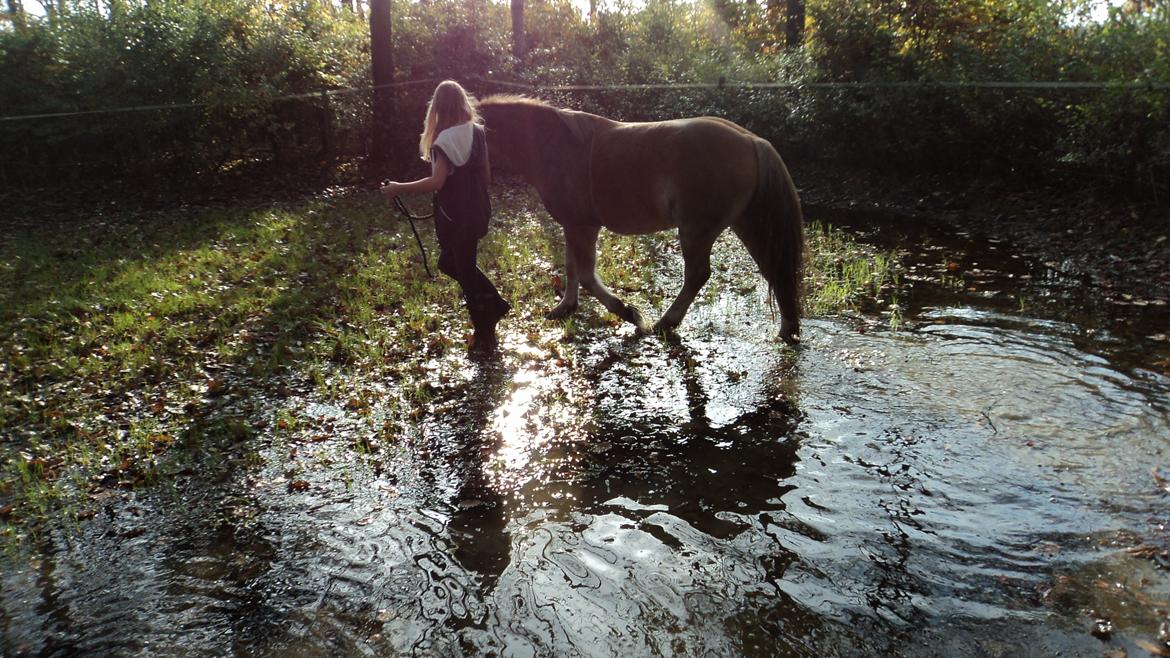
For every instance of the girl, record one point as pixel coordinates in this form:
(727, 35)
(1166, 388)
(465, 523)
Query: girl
(453, 141)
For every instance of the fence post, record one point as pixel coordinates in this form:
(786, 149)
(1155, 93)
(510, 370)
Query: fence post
(326, 123)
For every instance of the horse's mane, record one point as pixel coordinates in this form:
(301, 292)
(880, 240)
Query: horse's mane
(514, 99)
(580, 124)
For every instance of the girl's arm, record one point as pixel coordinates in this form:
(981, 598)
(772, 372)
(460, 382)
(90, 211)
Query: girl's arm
(439, 170)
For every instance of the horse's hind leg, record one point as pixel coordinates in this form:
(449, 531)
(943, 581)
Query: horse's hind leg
(762, 244)
(696, 250)
(581, 241)
(568, 303)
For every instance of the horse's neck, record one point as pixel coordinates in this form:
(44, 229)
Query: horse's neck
(581, 125)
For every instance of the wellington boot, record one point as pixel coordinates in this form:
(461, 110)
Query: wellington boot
(486, 312)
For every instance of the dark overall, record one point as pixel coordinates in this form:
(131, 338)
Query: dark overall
(462, 211)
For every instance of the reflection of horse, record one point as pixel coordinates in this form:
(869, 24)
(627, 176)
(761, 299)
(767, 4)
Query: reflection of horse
(698, 175)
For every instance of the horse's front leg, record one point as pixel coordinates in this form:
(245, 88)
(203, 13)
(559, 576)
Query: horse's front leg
(581, 241)
(569, 300)
(696, 243)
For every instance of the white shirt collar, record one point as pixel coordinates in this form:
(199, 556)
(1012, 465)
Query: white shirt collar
(455, 142)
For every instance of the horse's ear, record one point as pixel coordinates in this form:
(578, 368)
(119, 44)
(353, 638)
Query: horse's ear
(577, 123)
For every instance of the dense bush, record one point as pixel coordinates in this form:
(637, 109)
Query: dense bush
(1117, 134)
(894, 63)
(226, 58)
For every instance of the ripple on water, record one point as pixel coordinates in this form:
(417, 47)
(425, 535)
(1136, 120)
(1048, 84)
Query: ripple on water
(940, 491)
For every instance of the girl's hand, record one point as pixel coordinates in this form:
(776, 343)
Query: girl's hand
(391, 189)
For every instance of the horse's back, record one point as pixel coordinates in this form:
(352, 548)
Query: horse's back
(651, 176)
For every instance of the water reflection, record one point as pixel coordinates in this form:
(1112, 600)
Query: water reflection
(478, 527)
(626, 533)
(947, 490)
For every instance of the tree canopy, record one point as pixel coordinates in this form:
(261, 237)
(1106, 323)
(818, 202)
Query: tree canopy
(870, 80)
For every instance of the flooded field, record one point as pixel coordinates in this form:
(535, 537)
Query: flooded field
(985, 478)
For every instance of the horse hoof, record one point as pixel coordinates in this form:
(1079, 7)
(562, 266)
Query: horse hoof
(790, 337)
(560, 312)
(665, 328)
(651, 330)
(634, 317)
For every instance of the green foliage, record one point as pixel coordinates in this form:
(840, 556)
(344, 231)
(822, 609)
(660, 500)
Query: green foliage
(230, 56)
(234, 57)
(1119, 135)
(450, 39)
(844, 275)
(1126, 130)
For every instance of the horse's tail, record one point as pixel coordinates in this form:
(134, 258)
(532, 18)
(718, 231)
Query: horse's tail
(772, 229)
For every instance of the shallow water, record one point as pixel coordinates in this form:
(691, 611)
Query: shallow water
(967, 485)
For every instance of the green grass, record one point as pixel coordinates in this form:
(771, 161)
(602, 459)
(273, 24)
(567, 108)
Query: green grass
(844, 275)
(142, 346)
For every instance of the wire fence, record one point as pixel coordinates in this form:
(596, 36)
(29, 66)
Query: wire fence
(921, 124)
(692, 86)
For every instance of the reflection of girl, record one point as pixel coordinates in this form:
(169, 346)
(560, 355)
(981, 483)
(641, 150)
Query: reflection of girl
(453, 142)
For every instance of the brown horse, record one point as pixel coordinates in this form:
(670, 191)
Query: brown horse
(699, 175)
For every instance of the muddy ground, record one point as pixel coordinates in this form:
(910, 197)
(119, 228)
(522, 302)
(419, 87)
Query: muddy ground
(1119, 245)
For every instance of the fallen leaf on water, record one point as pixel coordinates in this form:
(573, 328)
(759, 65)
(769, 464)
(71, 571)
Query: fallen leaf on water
(1154, 649)
(1101, 584)
(1151, 602)
(1143, 551)
(1161, 478)
(99, 493)
(1047, 548)
(365, 521)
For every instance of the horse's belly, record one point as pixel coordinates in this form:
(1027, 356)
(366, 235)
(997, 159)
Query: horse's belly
(631, 222)
(633, 199)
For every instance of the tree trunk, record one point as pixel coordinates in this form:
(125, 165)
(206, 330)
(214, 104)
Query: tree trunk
(519, 43)
(16, 14)
(773, 17)
(794, 29)
(382, 69)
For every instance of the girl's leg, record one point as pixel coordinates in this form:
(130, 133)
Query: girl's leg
(486, 307)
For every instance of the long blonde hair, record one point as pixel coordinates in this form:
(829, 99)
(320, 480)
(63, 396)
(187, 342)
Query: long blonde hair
(450, 105)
